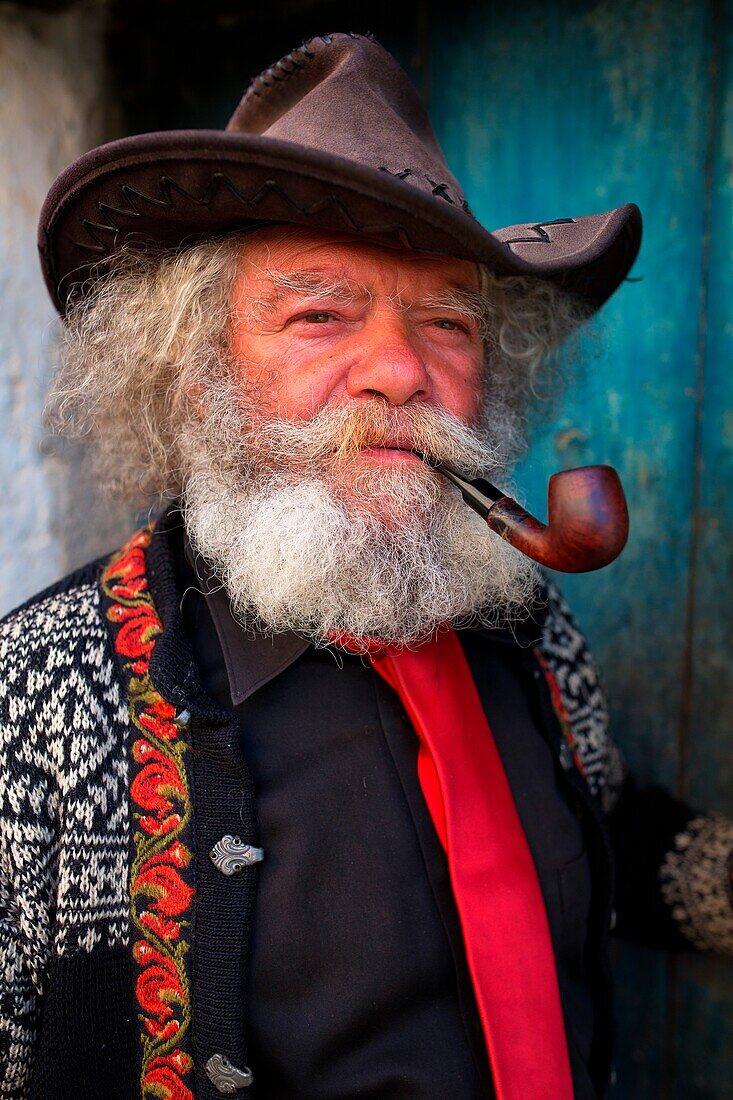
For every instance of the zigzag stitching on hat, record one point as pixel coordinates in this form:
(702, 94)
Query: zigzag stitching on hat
(99, 247)
(97, 229)
(542, 237)
(167, 202)
(305, 54)
(131, 211)
(440, 190)
(401, 175)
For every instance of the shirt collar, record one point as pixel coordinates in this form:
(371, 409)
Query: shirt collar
(253, 657)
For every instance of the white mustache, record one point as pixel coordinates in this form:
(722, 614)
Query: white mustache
(336, 433)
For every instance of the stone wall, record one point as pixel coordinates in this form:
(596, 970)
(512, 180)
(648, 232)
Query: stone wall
(53, 106)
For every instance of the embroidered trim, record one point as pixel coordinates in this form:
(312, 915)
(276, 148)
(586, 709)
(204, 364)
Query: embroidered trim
(696, 882)
(102, 235)
(160, 897)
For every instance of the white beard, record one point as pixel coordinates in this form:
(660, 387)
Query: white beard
(296, 553)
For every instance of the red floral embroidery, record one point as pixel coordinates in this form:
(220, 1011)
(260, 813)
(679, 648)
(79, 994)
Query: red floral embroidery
(158, 718)
(138, 628)
(161, 899)
(159, 880)
(156, 787)
(158, 987)
(166, 1074)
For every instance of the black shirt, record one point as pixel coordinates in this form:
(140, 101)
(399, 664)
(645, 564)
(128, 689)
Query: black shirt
(358, 985)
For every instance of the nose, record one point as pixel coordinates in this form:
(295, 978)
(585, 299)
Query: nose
(389, 365)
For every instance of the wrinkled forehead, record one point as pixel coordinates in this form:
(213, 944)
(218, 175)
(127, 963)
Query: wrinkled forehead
(293, 259)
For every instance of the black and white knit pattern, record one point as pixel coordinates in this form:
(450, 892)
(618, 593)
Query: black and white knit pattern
(697, 885)
(566, 652)
(64, 826)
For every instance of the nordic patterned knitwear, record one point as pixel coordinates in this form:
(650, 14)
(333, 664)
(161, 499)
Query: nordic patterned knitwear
(70, 987)
(64, 802)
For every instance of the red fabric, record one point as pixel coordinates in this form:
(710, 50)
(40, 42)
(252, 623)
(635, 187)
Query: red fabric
(494, 880)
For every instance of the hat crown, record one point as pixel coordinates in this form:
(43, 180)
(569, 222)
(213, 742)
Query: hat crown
(344, 94)
(334, 137)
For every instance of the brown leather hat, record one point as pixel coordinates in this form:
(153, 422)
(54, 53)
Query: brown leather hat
(332, 136)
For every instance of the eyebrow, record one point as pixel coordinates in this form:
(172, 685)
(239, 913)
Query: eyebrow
(464, 299)
(313, 283)
(468, 301)
(306, 284)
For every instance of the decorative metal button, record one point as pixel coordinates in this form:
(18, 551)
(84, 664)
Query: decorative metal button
(230, 855)
(566, 756)
(226, 1077)
(182, 718)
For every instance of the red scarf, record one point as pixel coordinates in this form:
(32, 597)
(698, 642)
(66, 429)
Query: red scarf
(495, 884)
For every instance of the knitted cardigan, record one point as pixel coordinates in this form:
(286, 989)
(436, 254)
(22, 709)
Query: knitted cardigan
(113, 931)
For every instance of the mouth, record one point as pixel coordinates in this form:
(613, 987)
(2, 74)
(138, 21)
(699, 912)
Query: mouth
(391, 454)
(391, 449)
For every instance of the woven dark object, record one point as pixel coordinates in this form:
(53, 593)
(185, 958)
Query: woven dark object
(333, 136)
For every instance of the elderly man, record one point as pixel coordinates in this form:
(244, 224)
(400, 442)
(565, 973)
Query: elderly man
(307, 791)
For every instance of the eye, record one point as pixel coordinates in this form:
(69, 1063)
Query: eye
(449, 325)
(317, 317)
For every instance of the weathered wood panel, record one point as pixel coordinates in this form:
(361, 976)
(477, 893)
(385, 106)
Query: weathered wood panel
(558, 109)
(701, 1017)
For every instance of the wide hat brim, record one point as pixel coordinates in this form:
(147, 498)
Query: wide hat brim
(176, 187)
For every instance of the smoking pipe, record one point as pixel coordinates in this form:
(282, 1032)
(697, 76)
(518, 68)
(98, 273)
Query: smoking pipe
(588, 521)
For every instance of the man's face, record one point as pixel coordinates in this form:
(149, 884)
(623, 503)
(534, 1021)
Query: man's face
(328, 320)
(302, 490)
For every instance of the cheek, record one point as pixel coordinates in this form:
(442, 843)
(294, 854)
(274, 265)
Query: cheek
(468, 401)
(460, 390)
(300, 393)
(275, 380)
(288, 390)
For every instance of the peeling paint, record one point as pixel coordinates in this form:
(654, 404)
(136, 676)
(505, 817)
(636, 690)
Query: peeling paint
(52, 80)
(564, 439)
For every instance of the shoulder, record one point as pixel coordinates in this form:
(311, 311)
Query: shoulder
(572, 667)
(63, 768)
(59, 692)
(58, 629)
(562, 639)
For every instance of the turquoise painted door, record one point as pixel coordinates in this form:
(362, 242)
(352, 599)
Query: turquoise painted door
(549, 110)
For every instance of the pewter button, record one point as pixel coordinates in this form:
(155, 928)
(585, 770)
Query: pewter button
(230, 855)
(182, 718)
(566, 756)
(226, 1077)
